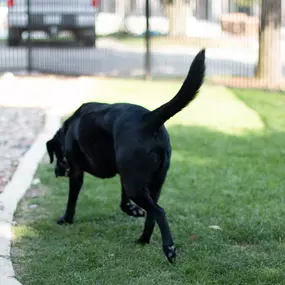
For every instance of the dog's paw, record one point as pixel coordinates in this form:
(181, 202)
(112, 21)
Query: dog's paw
(132, 210)
(142, 240)
(170, 253)
(63, 220)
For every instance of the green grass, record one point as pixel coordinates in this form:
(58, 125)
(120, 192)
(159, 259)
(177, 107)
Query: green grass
(227, 169)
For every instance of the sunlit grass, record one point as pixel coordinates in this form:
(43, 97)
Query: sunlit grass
(215, 107)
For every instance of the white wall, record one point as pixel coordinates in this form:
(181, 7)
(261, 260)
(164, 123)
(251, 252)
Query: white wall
(215, 10)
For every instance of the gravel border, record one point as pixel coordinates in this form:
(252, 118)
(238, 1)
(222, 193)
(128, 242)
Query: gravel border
(19, 128)
(16, 189)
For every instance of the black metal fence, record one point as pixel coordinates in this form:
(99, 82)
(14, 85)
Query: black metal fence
(133, 38)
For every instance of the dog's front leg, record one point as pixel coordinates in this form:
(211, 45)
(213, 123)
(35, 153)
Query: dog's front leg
(75, 184)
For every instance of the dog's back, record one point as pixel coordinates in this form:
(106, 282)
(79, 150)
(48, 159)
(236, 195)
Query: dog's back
(132, 135)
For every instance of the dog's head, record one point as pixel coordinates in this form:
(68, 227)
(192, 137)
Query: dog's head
(55, 147)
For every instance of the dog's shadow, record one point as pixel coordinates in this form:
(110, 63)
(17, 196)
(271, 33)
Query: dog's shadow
(204, 185)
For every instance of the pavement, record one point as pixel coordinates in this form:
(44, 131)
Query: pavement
(111, 58)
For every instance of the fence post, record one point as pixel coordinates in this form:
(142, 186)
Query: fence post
(147, 42)
(29, 37)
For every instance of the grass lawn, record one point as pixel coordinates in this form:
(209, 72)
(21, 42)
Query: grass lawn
(227, 169)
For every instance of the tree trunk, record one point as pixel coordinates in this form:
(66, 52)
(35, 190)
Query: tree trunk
(269, 65)
(177, 13)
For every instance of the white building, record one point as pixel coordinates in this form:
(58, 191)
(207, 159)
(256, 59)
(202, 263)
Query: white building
(210, 10)
(206, 12)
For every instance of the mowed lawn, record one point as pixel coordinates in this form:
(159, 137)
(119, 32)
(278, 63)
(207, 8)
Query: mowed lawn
(227, 171)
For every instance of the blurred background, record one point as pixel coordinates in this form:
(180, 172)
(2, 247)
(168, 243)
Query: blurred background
(112, 37)
(225, 189)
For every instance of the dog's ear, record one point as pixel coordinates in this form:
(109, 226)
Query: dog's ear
(50, 149)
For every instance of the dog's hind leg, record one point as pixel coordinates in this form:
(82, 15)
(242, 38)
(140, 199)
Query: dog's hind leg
(154, 190)
(75, 184)
(148, 225)
(155, 212)
(129, 208)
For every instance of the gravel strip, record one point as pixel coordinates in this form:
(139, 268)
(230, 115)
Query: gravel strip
(19, 128)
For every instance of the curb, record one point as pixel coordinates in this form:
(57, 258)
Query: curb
(15, 190)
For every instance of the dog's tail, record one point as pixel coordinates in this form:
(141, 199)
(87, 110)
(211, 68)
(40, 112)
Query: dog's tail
(191, 85)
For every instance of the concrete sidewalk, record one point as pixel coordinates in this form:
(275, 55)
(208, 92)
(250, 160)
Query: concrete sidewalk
(44, 91)
(57, 97)
(244, 55)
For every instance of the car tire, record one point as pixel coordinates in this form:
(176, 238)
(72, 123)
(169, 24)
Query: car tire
(86, 37)
(14, 37)
(89, 41)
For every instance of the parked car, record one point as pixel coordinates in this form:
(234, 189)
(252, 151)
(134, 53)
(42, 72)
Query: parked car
(51, 17)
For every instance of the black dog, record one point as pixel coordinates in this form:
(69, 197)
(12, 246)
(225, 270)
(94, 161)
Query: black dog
(129, 140)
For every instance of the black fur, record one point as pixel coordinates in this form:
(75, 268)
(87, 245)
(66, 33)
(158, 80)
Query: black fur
(129, 140)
